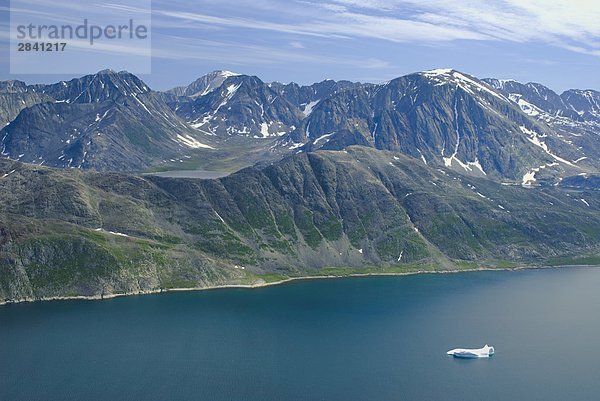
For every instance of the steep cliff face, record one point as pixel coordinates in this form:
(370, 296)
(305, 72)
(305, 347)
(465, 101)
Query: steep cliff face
(571, 118)
(236, 105)
(105, 121)
(16, 96)
(501, 129)
(448, 118)
(67, 232)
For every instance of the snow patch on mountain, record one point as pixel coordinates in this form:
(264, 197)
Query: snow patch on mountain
(323, 137)
(308, 107)
(529, 177)
(527, 108)
(534, 138)
(191, 142)
(445, 76)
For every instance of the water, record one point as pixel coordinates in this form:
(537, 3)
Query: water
(379, 338)
(203, 174)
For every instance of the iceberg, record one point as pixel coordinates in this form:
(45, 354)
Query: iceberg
(484, 352)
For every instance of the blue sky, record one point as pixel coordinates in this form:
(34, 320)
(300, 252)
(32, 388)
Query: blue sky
(556, 43)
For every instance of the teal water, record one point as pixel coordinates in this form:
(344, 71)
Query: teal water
(376, 338)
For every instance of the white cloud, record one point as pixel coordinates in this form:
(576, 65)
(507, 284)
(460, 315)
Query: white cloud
(342, 25)
(572, 25)
(555, 22)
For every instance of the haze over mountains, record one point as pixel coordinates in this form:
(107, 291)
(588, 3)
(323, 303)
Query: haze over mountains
(432, 170)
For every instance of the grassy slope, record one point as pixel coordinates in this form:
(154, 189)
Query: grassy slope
(329, 213)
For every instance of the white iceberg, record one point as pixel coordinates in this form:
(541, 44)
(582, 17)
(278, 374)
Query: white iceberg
(484, 352)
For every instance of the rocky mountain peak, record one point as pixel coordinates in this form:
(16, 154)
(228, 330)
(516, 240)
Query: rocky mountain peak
(96, 88)
(205, 84)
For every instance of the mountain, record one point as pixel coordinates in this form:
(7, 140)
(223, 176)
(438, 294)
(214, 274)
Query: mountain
(446, 118)
(105, 121)
(585, 102)
(226, 104)
(306, 97)
(436, 170)
(535, 99)
(573, 116)
(203, 85)
(85, 233)
(16, 96)
(508, 131)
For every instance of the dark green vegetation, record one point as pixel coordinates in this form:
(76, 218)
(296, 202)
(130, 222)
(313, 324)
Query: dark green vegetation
(323, 213)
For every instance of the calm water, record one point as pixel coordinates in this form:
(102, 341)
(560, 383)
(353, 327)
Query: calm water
(204, 174)
(381, 338)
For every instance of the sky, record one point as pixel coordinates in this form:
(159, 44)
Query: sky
(556, 43)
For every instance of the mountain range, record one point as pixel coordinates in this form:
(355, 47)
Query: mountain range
(436, 170)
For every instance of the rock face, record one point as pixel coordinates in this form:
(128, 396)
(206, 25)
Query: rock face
(306, 97)
(16, 96)
(534, 98)
(570, 120)
(506, 130)
(448, 118)
(203, 85)
(227, 104)
(70, 232)
(106, 121)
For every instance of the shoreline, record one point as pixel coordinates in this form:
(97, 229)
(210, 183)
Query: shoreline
(280, 282)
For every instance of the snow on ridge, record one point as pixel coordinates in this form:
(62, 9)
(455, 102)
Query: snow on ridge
(438, 71)
(231, 89)
(111, 232)
(9, 173)
(445, 75)
(227, 74)
(98, 118)
(478, 86)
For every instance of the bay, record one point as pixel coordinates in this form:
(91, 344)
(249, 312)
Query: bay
(368, 338)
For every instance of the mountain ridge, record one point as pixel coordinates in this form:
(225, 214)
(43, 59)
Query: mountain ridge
(105, 121)
(509, 130)
(86, 233)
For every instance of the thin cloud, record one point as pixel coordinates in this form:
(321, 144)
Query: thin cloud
(571, 25)
(181, 48)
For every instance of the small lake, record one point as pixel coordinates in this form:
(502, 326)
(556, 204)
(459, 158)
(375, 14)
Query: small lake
(203, 174)
(373, 338)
